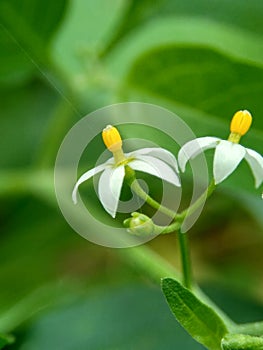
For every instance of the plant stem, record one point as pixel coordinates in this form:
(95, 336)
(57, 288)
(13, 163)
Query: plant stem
(135, 186)
(190, 210)
(162, 230)
(185, 259)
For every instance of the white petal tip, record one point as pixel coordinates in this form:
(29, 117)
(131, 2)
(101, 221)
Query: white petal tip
(182, 169)
(113, 215)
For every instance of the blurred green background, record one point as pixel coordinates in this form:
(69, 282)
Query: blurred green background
(61, 60)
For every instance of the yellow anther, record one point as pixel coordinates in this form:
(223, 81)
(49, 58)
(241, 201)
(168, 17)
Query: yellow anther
(241, 122)
(112, 138)
(113, 141)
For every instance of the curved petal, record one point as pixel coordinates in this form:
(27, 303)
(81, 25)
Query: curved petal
(157, 168)
(194, 147)
(85, 177)
(227, 157)
(110, 184)
(255, 161)
(159, 153)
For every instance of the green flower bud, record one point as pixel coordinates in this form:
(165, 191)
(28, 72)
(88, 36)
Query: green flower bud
(139, 224)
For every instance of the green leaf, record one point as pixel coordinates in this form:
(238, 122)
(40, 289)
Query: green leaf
(89, 26)
(140, 12)
(5, 340)
(219, 85)
(14, 64)
(25, 32)
(181, 67)
(241, 342)
(199, 319)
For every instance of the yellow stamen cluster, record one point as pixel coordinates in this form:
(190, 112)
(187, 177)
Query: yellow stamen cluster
(240, 125)
(112, 138)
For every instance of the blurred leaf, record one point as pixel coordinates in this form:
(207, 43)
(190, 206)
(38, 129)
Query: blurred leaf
(183, 32)
(218, 84)
(14, 64)
(241, 342)
(49, 295)
(199, 319)
(26, 28)
(5, 340)
(86, 31)
(34, 247)
(247, 15)
(176, 63)
(238, 304)
(130, 317)
(25, 114)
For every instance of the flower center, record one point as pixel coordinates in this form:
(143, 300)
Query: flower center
(240, 125)
(112, 139)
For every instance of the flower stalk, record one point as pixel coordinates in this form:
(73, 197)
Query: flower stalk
(185, 258)
(136, 187)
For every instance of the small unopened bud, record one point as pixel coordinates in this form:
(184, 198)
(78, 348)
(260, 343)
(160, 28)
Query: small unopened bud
(139, 224)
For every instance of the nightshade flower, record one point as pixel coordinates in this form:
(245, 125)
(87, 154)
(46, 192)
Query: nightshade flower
(155, 161)
(228, 153)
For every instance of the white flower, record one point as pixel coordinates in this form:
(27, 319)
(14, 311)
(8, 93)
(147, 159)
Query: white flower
(155, 161)
(228, 153)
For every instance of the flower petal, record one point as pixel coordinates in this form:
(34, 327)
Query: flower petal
(110, 184)
(157, 168)
(159, 153)
(255, 161)
(85, 177)
(227, 157)
(194, 147)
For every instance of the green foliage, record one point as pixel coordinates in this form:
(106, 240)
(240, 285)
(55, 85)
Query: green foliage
(25, 31)
(5, 340)
(24, 123)
(140, 12)
(199, 319)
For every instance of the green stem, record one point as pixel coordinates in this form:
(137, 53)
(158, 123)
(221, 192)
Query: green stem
(190, 210)
(185, 259)
(166, 229)
(135, 186)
